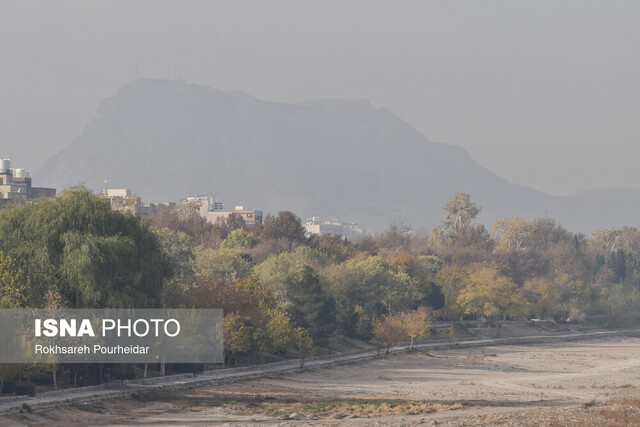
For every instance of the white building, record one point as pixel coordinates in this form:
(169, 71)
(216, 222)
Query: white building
(212, 210)
(124, 200)
(315, 225)
(15, 184)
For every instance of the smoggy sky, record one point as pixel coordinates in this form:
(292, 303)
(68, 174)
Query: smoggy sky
(544, 93)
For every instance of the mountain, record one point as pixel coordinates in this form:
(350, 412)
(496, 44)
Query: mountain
(331, 158)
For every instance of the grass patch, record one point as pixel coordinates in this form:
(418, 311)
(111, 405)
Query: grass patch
(622, 412)
(96, 408)
(340, 408)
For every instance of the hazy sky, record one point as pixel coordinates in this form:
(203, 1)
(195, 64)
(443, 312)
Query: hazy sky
(544, 93)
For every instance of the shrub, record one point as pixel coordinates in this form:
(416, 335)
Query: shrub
(26, 389)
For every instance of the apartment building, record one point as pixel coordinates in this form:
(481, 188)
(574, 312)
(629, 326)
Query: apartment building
(315, 225)
(123, 199)
(15, 184)
(212, 210)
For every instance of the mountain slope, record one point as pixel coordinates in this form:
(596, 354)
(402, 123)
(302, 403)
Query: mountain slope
(330, 158)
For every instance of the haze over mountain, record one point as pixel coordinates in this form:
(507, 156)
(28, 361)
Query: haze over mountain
(339, 159)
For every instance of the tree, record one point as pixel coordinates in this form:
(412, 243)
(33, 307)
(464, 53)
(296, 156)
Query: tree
(280, 331)
(225, 226)
(93, 256)
(544, 298)
(430, 263)
(240, 239)
(622, 305)
(186, 218)
(546, 233)
(452, 280)
(617, 262)
(422, 289)
(523, 265)
(390, 330)
(178, 248)
(284, 226)
(13, 283)
(612, 239)
(304, 343)
(237, 337)
(365, 279)
(460, 211)
(416, 324)
(8, 371)
(283, 268)
(335, 249)
(514, 231)
(227, 265)
(13, 294)
(397, 236)
(310, 307)
(53, 302)
(489, 293)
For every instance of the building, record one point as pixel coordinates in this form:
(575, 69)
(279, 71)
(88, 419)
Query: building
(212, 210)
(124, 200)
(15, 184)
(112, 193)
(250, 216)
(315, 225)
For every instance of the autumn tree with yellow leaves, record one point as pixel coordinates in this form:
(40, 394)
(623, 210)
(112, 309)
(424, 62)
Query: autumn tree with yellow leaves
(389, 330)
(491, 294)
(416, 324)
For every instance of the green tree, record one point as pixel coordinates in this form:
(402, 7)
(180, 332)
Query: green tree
(237, 336)
(9, 371)
(178, 248)
(240, 239)
(422, 289)
(452, 280)
(335, 249)
(285, 267)
(93, 256)
(227, 265)
(364, 279)
(286, 225)
(13, 283)
(310, 307)
(280, 331)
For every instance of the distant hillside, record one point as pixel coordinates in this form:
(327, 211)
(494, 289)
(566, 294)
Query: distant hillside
(339, 159)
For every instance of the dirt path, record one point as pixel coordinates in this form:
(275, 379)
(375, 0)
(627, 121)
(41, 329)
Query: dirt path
(565, 383)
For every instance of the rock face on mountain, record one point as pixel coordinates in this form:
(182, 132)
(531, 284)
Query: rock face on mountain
(338, 159)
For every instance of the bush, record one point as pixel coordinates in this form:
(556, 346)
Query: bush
(120, 371)
(194, 368)
(9, 386)
(26, 389)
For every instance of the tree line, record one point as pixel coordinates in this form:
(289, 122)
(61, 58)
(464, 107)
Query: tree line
(282, 291)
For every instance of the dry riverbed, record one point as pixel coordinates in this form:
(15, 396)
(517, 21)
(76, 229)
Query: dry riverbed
(577, 383)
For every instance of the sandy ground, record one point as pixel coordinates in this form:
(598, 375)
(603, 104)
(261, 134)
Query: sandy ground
(580, 383)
